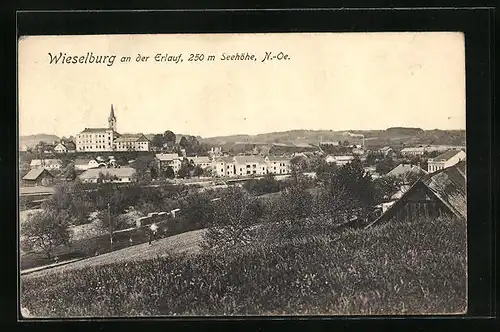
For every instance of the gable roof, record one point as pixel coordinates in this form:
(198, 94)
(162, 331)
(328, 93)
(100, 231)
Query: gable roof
(249, 159)
(38, 162)
(200, 159)
(132, 138)
(95, 130)
(80, 161)
(446, 156)
(226, 160)
(448, 185)
(121, 172)
(166, 156)
(402, 169)
(278, 158)
(35, 174)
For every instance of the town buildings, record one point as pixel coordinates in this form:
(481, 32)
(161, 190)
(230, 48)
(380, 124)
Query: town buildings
(250, 165)
(445, 160)
(65, 147)
(108, 139)
(405, 171)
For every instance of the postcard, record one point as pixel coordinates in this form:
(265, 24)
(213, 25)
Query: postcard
(276, 174)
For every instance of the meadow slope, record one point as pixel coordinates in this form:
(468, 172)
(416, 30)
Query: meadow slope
(413, 268)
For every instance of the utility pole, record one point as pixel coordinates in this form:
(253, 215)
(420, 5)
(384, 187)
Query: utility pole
(110, 228)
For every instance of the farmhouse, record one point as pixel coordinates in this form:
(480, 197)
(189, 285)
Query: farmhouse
(386, 151)
(445, 160)
(46, 163)
(441, 193)
(38, 177)
(119, 175)
(85, 164)
(418, 151)
(132, 142)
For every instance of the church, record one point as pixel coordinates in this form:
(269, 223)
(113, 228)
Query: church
(108, 139)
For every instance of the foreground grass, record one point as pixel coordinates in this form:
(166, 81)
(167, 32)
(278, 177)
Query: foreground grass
(392, 269)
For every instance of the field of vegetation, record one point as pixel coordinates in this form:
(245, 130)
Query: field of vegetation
(411, 268)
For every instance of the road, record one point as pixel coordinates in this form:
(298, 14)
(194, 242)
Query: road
(181, 243)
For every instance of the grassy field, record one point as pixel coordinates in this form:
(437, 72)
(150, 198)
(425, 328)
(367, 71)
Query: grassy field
(393, 269)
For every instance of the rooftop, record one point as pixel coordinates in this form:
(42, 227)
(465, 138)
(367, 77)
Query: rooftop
(249, 159)
(95, 130)
(446, 156)
(121, 172)
(35, 173)
(166, 156)
(405, 168)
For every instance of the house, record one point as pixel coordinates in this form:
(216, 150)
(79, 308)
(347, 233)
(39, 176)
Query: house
(120, 175)
(334, 143)
(445, 160)
(132, 142)
(225, 166)
(165, 160)
(418, 151)
(278, 165)
(250, 165)
(386, 151)
(405, 171)
(358, 151)
(339, 160)
(440, 193)
(85, 164)
(38, 177)
(60, 148)
(202, 161)
(52, 164)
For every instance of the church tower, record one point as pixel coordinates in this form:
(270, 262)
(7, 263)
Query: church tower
(112, 119)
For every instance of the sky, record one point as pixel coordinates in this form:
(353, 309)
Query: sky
(331, 81)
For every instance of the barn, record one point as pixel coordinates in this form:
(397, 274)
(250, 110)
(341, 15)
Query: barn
(440, 193)
(38, 177)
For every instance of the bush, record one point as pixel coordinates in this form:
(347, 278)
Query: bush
(412, 268)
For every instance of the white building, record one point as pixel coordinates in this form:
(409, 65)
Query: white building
(339, 160)
(250, 165)
(60, 148)
(224, 166)
(85, 164)
(165, 160)
(278, 165)
(120, 175)
(132, 142)
(445, 160)
(49, 164)
(418, 151)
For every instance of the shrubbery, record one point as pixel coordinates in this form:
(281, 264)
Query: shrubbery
(412, 268)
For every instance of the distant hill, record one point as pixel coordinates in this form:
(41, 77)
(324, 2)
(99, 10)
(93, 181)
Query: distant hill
(396, 136)
(32, 140)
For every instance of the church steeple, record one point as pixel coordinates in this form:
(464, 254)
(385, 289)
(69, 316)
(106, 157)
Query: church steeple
(112, 119)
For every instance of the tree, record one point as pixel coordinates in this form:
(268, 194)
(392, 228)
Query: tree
(169, 173)
(197, 209)
(294, 204)
(186, 169)
(69, 172)
(169, 138)
(234, 213)
(208, 172)
(183, 143)
(46, 231)
(158, 141)
(385, 187)
(350, 188)
(385, 165)
(143, 165)
(197, 171)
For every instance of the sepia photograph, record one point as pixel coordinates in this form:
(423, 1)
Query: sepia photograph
(252, 174)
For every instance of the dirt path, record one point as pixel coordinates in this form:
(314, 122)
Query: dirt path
(182, 243)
